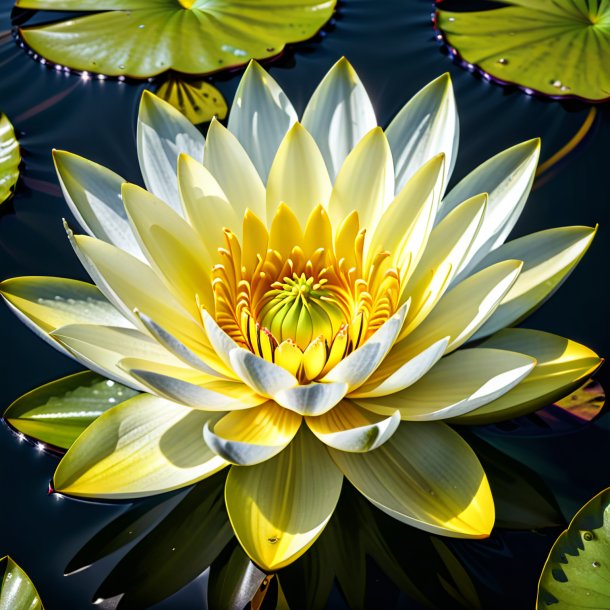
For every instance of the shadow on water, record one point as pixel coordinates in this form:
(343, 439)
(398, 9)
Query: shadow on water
(538, 480)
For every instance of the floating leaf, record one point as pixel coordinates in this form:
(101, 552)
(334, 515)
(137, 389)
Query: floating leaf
(559, 48)
(17, 591)
(142, 38)
(199, 101)
(586, 402)
(10, 157)
(57, 413)
(577, 572)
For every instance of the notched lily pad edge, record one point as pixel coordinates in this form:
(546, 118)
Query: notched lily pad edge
(161, 77)
(456, 57)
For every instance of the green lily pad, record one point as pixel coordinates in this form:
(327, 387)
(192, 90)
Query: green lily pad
(57, 413)
(17, 592)
(142, 38)
(10, 157)
(559, 48)
(199, 101)
(577, 572)
(586, 402)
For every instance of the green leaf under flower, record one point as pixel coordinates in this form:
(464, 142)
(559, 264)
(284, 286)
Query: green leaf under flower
(56, 413)
(559, 48)
(10, 158)
(17, 591)
(577, 572)
(142, 38)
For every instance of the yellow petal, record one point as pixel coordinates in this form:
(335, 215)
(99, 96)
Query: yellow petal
(562, 366)
(279, 508)
(230, 165)
(285, 232)
(254, 435)
(365, 182)
(143, 446)
(298, 176)
(172, 247)
(426, 475)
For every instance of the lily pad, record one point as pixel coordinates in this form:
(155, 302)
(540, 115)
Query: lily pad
(17, 592)
(199, 101)
(10, 157)
(142, 38)
(559, 48)
(57, 413)
(577, 572)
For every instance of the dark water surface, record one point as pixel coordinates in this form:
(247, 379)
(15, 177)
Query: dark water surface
(392, 46)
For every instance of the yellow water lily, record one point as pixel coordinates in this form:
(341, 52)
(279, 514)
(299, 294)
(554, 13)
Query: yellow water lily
(295, 300)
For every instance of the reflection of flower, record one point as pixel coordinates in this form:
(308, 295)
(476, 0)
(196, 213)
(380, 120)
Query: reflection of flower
(306, 329)
(142, 38)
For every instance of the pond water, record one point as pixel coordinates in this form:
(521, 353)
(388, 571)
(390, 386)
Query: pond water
(392, 46)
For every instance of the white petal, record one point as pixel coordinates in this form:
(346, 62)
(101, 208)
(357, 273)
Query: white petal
(426, 126)
(458, 384)
(311, 399)
(349, 427)
(164, 133)
(261, 375)
(388, 381)
(338, 115)
(93, 194)
(507, 179)
(234, 171)
(260, 116)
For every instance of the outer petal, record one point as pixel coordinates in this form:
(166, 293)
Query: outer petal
(144, 446)
(311, 399)
(562, 366)
(260, 116)
(252, 436)
(44, 304)
(100, 348)
(338, 115)
(130, 284)
(426, 475)
(93, 194)
(462, 310)
(548, 257)
(279, 508)
(393, 376)
(365, 182)
(349, 427)
(164, 133)
(184, 387)
(507, 179)
(298, 176)
(362, 362)
(458, 384)
(426, 126)
(234, 170)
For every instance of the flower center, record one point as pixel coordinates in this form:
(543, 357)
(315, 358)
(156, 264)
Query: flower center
(300, 309)
(303, 299)
(186, 3)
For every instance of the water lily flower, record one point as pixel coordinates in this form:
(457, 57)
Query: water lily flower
(297, 301)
